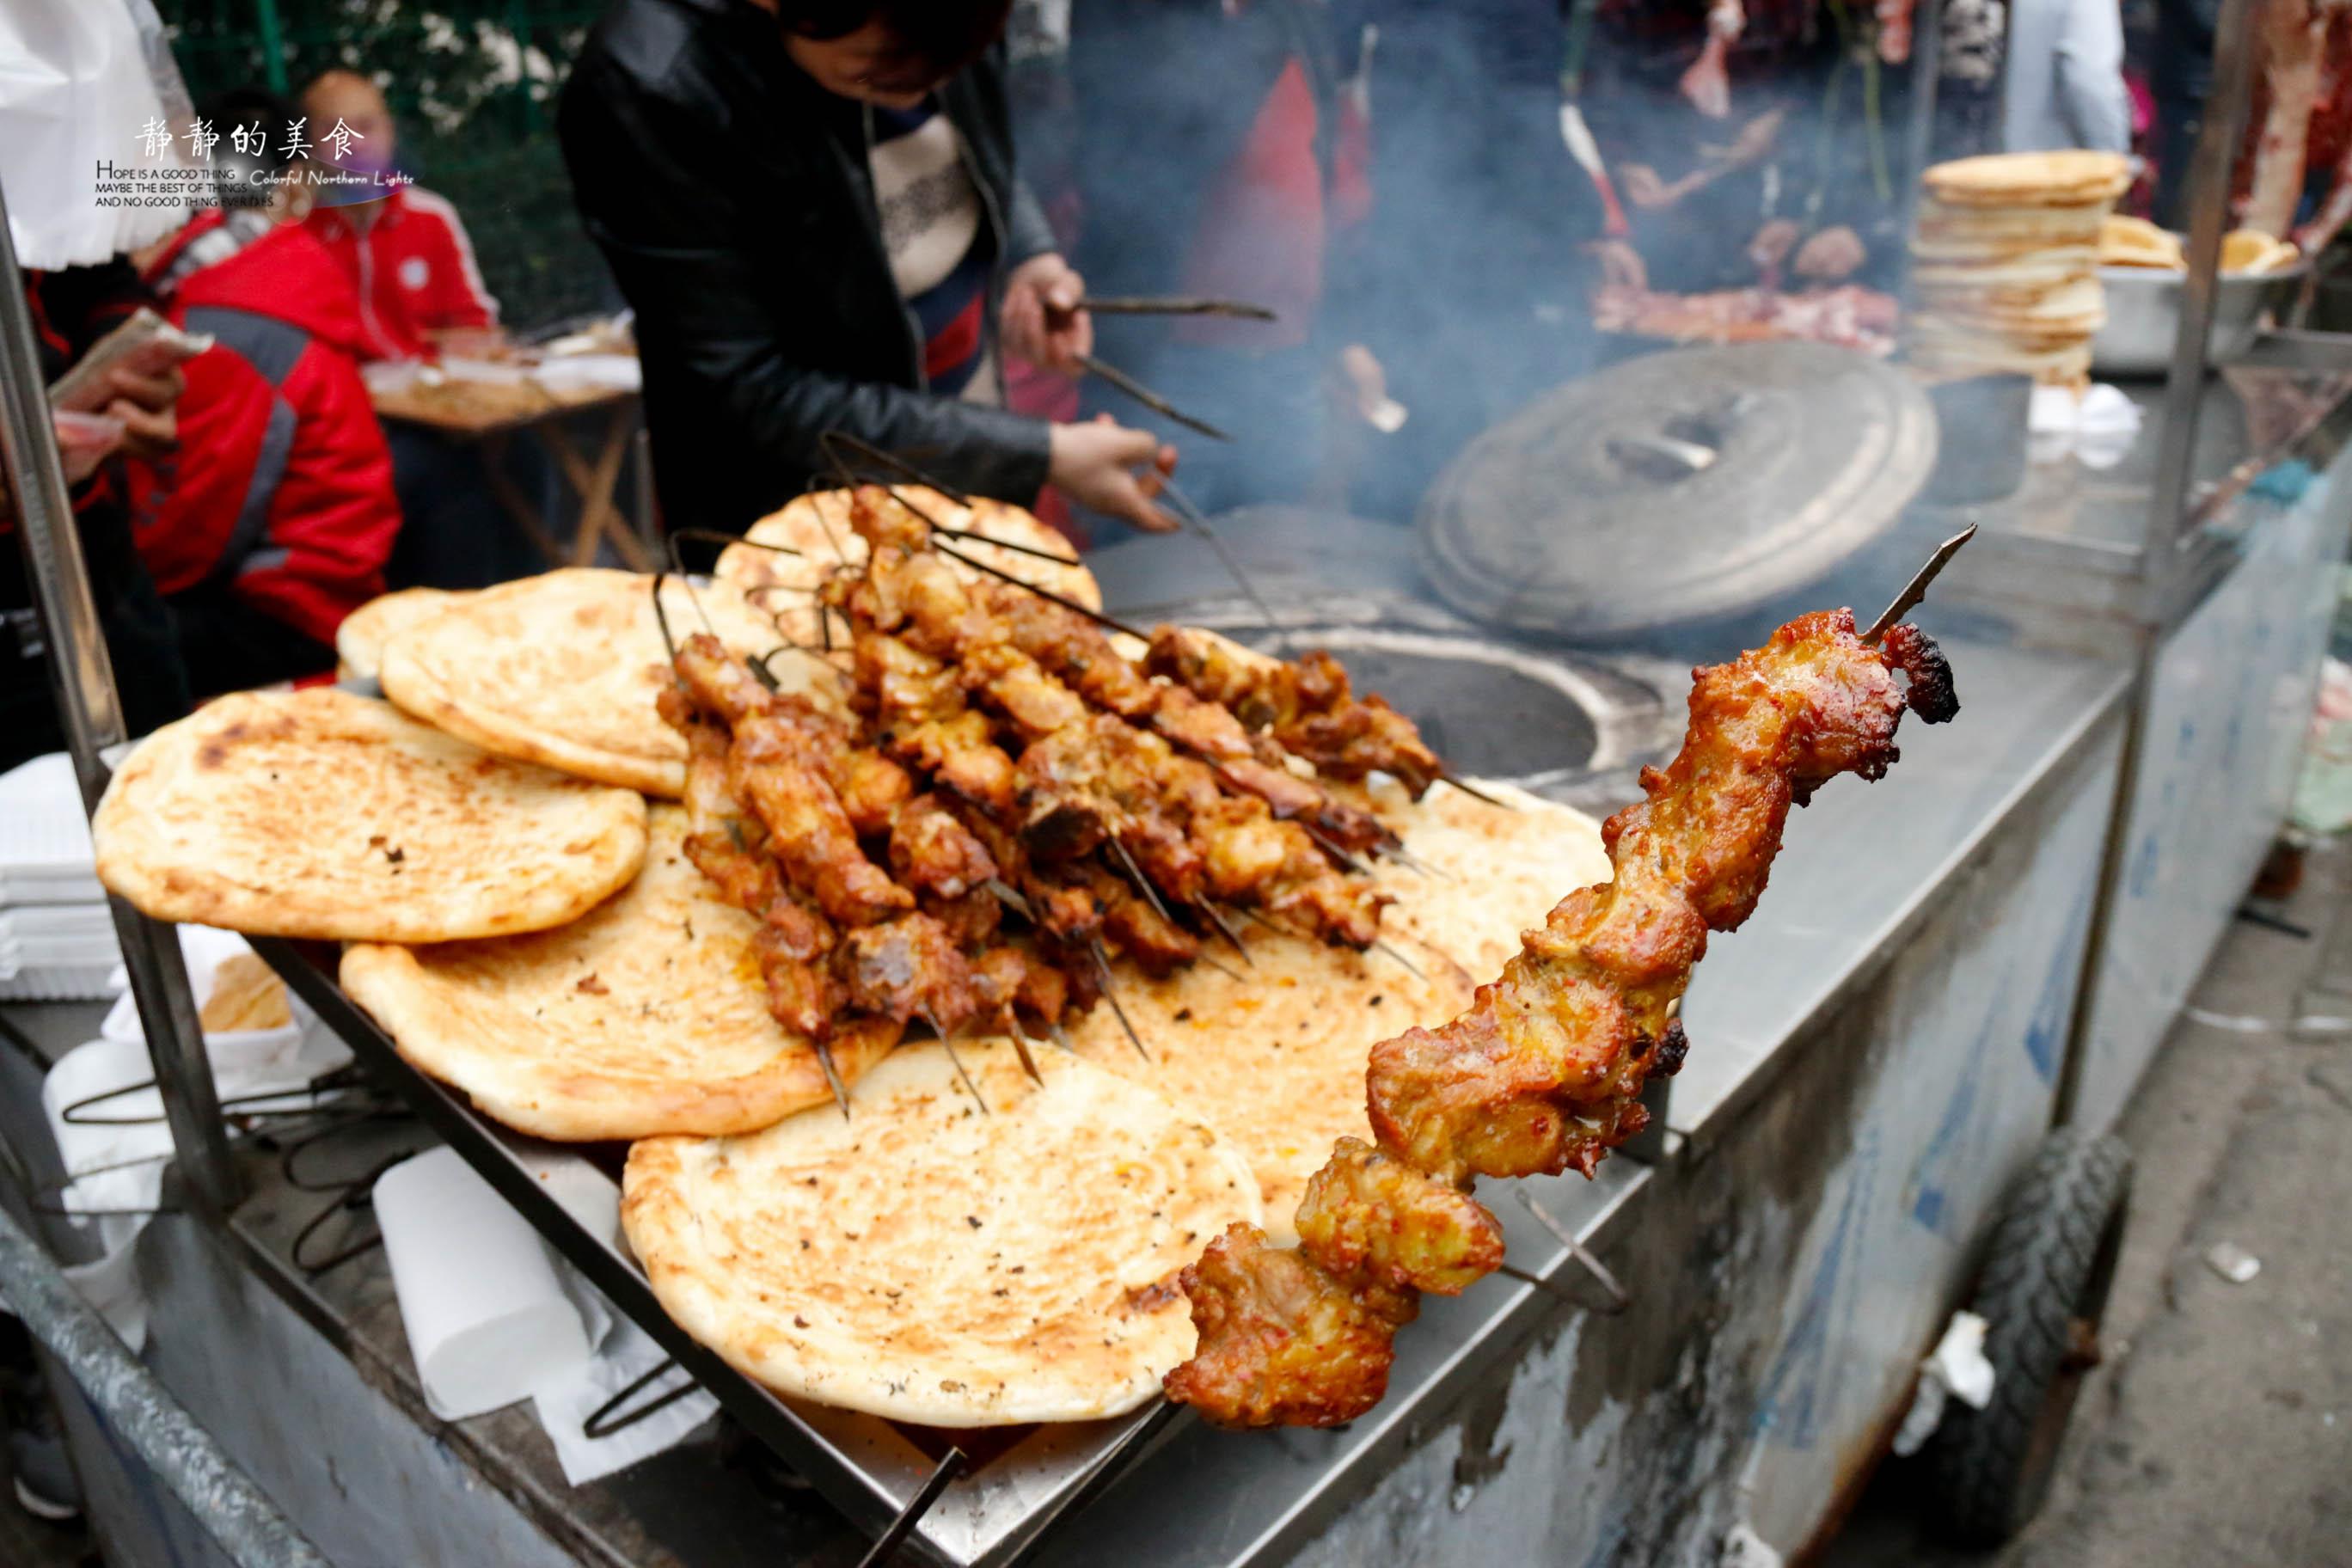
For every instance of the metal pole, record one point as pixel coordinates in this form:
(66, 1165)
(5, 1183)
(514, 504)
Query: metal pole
(235, 1512)
(2207, 194)
(93, 711)
(2209, 216)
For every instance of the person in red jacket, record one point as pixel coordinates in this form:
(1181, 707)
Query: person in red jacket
(407, 253)
(404, 252)
(275, 517)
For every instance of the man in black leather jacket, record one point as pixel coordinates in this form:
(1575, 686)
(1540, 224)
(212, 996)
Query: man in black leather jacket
(720, 153)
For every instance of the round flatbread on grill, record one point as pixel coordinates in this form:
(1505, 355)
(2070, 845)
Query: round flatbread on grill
(563, 669)
(817, 526)
(1274, 1059)
(930, 1262)
(361, 640)
(319, 814)
(644, 1017)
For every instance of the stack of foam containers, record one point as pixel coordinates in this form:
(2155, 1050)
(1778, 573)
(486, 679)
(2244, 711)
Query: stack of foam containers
(56, 934)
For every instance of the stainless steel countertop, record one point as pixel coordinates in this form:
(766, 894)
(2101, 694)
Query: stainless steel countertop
(1865, 861)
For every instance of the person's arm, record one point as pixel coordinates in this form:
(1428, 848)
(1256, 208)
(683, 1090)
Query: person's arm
(2091, 92)
(658, 209)
(460, 301)
(332, 516)
(1027, 232)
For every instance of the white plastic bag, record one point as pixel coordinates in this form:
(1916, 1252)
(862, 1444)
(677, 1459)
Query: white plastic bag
(79, 81)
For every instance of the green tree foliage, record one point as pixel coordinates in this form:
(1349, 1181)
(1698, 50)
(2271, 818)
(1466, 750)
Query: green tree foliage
(474, 84)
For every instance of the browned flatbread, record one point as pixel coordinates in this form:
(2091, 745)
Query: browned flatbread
(928, 1262)
(563, 669)
(1275, 1060)
(644, 1017)
(2068, 177)
(320, 813)
(360, 641)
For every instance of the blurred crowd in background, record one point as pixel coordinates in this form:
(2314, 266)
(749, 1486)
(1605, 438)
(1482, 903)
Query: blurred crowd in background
(881, 215)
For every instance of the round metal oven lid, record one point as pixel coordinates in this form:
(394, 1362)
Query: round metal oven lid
(1676, 487)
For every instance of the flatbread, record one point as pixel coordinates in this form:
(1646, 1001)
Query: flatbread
(320, 813)
(2070, 177)
(1275, 1060)
(2250, 250)
(360, 639)
(929, 1263)
(643, 1017)
(817, 525)
(2136, 242)
(563, 669)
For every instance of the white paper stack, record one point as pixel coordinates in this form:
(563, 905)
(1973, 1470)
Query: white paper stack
(56, 934)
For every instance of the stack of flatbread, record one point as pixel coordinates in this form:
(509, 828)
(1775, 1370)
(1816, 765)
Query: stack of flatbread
(2005, 265)
(529, 931)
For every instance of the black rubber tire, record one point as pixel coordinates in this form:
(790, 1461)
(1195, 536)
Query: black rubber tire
(2047, 1272)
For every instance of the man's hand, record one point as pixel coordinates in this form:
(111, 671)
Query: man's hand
(144, 403)
(1771, 247)
(1109, 468)
(1643, 188)
(1042, 320)
(1620, 264)
(1831, 255)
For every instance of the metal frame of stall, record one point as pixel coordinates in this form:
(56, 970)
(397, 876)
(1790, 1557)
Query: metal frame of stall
(2181, 559)
(883, 1482)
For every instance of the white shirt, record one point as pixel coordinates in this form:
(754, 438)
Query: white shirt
(2065, 77)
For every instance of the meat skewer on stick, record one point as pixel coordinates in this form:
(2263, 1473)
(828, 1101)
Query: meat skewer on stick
(955, 622)
(1544, 1073)
(1086, 776)
(1306, 704)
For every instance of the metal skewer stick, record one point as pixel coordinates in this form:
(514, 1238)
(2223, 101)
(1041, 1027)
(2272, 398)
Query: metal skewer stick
(1475, 793)
(1175, 305)
(1217, 919)
(1528, 1277)
(970, 536)
(1411, 967)
(1149, 398)
(1198, 523)
(941, 529)
(1916, 589)
(720, 537)
(1046, 593)
(891, 460)
(1010, 897)
(1251, 914)
(1618, 1299)
(1414, 863)
(831, 1075)
(1102, 973)
(978, 1098)
(951, 1465)
(1135, 874)
(1332, 847)
(1021, 1047)
(1222, 967)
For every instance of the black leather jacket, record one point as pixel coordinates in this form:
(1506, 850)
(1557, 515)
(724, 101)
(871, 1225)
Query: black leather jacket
(732, 196)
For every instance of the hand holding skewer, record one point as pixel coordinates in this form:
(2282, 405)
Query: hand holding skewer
(1045, 318)
(1110, 468)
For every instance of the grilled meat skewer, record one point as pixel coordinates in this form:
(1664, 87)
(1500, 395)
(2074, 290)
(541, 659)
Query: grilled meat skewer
(1543, 1074)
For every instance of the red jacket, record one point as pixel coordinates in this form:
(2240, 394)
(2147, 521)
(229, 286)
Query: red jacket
(281, 487)
(414, 270)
